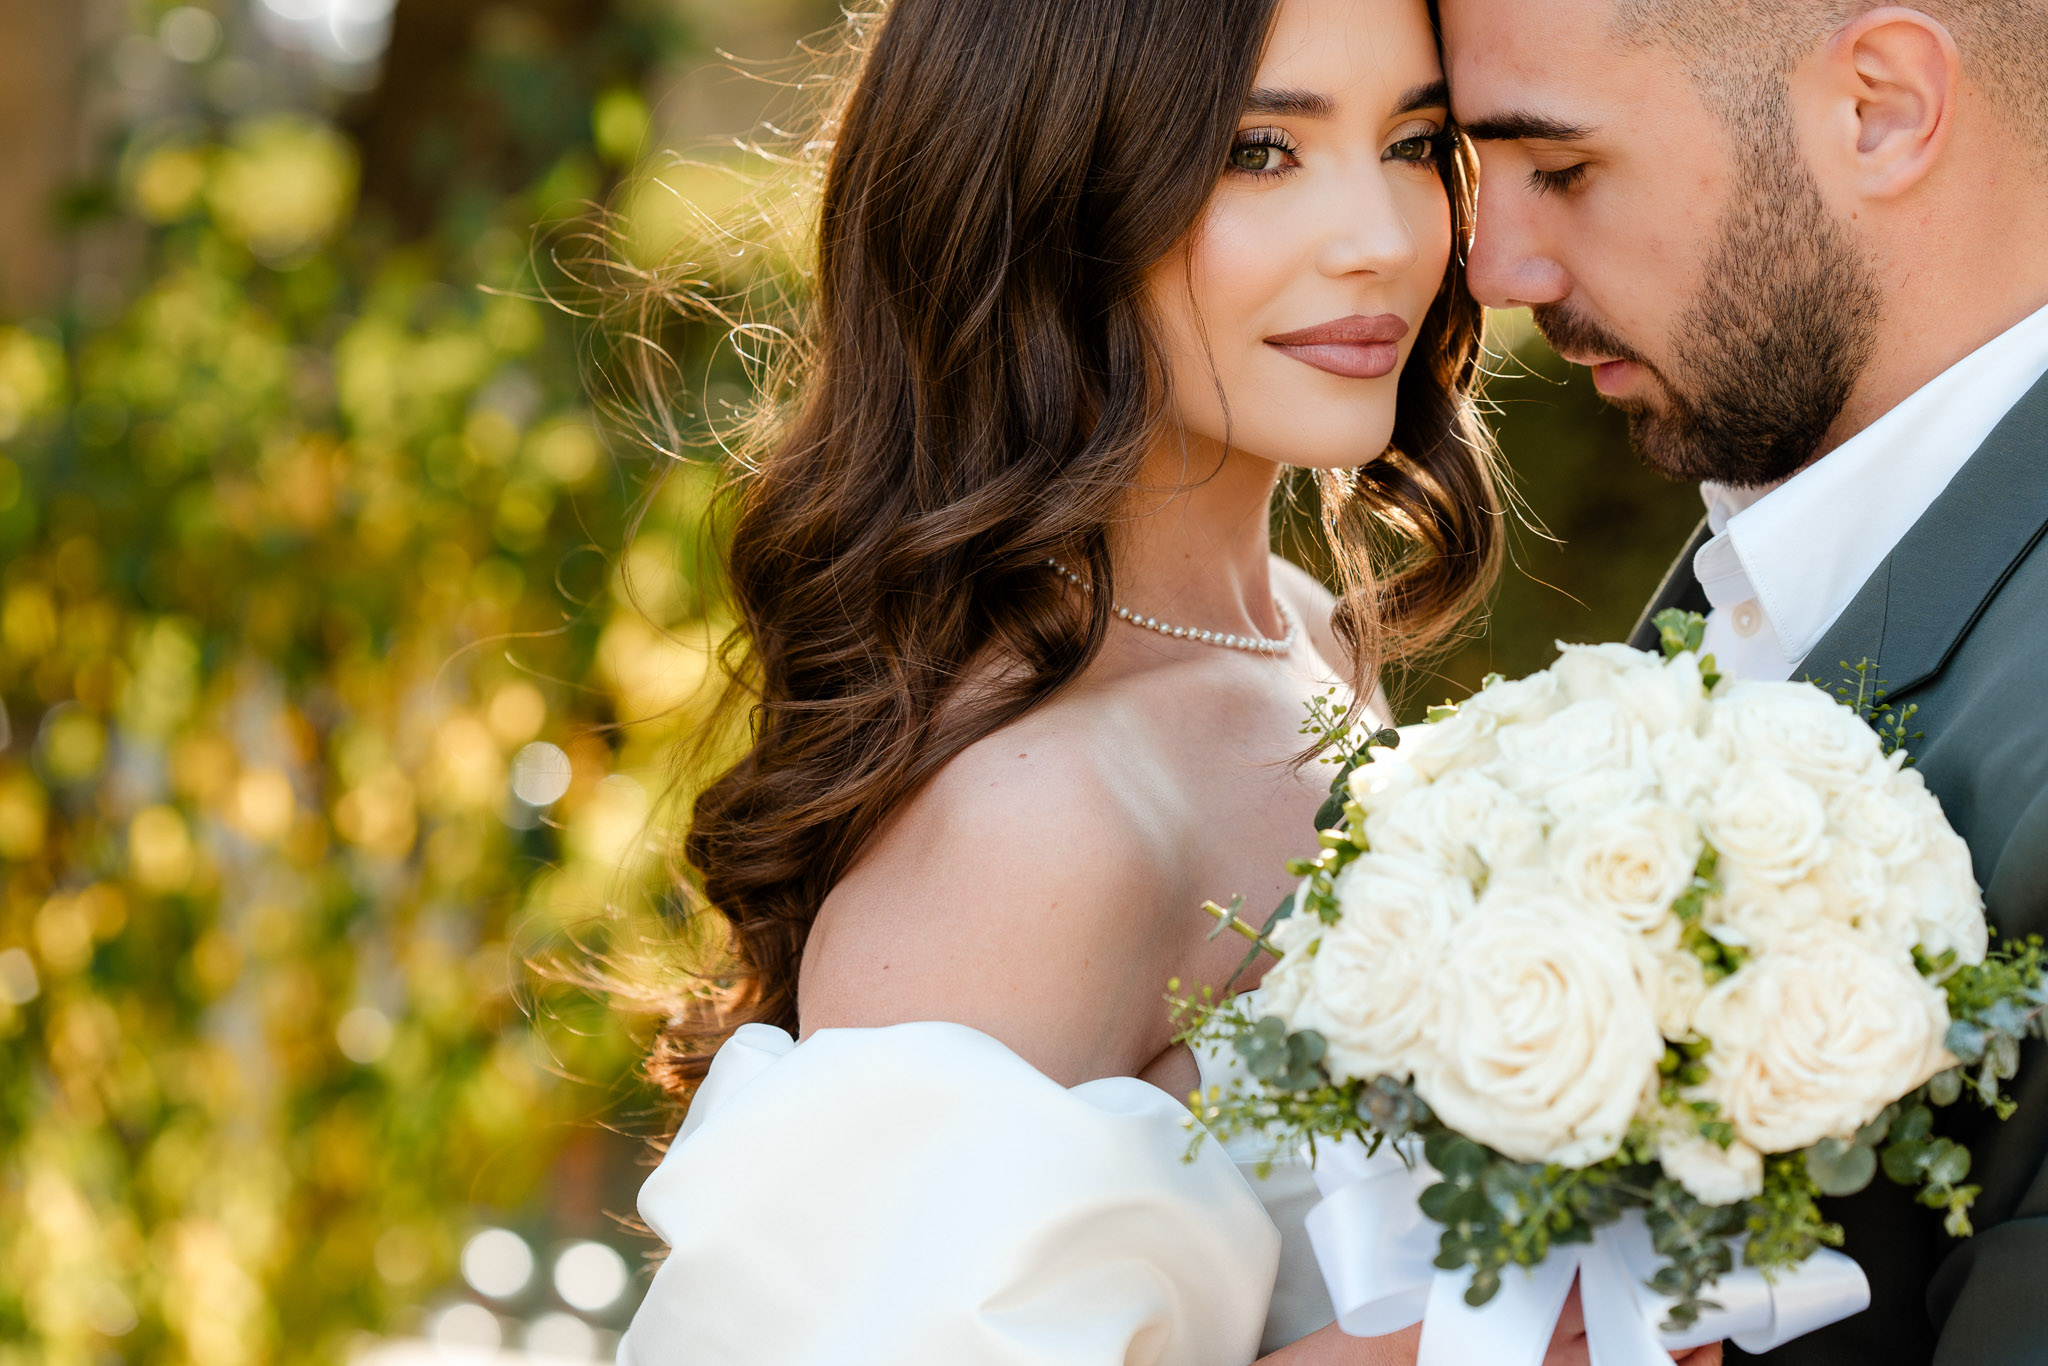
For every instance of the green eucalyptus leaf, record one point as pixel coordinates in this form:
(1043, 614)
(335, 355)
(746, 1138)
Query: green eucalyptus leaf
(1840, 1168)
(1436, 1201)
(1946, 1088)
(1950, 1165)
(1457, 1157)
(1965, 1040)
(1915, 1125)
(2004, 1055)
(1872, 1134)
(1903, 1160)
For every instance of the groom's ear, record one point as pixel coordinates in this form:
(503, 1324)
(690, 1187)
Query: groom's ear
(1877, 103)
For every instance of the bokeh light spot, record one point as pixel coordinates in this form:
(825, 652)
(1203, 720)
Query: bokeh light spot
(18, 984)
(189, 34)
(561, 1335)
(497, 1262)
(590, 1276)
(540, 774)
(464, 1328)
(364, 1035)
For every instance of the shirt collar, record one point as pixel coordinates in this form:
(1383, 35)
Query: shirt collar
(1804, 547)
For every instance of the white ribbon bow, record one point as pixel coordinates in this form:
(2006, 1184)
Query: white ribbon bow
(1377, 1251)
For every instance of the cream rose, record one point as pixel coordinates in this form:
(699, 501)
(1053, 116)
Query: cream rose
(1664, 695)
(1464, 739)
(1711, 1174)
(1811, 1039)
(1628, 864)
(1288, 982)
(1754, 914)
(1370, 988)
(1518, 701)
(1590, 755)
(1766, 823)
(1688, 766)
(1385, 780)
(1675, 982)
(1801, 729)
(1885, 818)
(1464, 823)
(1545, 1041)
(1947, 907)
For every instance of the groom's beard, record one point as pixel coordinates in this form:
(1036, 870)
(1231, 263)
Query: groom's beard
(1770, 348)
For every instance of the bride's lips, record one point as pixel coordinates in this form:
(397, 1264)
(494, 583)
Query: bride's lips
(1356, 347)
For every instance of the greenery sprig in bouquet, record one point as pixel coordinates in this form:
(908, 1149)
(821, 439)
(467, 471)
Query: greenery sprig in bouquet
(1624, 935)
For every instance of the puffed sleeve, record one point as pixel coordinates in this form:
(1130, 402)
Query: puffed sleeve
(921, 1196)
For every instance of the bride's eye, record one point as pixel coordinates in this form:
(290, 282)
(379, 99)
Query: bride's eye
(1421, 149)
(1262, 152)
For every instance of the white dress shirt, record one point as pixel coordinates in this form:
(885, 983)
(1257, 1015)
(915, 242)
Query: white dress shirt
(1784, 562)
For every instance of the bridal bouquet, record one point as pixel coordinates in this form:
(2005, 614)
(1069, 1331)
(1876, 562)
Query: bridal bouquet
(1623, 944)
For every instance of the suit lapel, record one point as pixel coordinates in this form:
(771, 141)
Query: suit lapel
(1915, 610)
(1679, 589)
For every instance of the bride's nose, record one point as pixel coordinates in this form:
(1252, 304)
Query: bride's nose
(1368, 233)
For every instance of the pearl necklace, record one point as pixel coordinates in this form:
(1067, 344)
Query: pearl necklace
(1258, 645)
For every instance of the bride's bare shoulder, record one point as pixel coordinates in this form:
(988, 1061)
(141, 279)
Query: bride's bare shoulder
(1020, 892)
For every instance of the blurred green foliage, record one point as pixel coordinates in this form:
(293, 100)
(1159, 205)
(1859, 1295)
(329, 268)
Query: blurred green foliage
(1595, 532)
(300, 547)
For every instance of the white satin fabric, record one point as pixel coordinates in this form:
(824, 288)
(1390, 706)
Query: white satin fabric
(919, 1195)
(1288, 1190)
(1377, 1251)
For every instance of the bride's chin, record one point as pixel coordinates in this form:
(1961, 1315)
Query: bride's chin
(1353, 447)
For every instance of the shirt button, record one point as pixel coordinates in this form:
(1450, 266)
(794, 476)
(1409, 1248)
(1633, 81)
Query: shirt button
(1746, 618)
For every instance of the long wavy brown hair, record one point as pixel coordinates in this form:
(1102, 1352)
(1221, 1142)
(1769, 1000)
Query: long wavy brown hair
(976, 386)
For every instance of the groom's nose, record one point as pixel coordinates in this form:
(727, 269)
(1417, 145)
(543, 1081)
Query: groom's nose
(1511, 263)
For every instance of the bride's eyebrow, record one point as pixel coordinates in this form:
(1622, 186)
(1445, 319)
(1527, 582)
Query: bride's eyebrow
(1304, 104)
(1434, 94)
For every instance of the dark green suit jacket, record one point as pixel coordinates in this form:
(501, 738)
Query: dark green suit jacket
(1957, 621)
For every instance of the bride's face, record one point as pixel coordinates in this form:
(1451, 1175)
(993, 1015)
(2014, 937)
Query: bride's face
(1289, 311)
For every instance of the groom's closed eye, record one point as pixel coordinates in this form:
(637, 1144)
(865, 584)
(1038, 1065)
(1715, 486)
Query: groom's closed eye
(1554, 141)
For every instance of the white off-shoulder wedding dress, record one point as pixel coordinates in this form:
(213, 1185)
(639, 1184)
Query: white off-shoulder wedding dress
(918, 1195)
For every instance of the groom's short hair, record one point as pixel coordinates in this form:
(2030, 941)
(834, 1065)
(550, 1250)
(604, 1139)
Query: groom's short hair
(1740, 51)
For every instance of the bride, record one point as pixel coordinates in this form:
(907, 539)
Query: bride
(1027, 681)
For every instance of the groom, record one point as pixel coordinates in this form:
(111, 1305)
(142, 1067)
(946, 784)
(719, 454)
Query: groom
(1804, 246)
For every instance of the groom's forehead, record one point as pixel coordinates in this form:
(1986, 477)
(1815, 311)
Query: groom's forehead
(1554, 59)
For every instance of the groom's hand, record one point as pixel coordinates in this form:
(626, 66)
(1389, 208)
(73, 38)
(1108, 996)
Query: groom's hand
(1568, 1343)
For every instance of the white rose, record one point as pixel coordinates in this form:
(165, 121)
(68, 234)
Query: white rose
(1464, 822)
(1766, 823)
(1586, 672)
(1384, 780)
(1546, 1043)
(1675, 981)
(1711, 1174)
(1464, 739)
(1885, 819)
(1688, 766)
(1664, 695)
(1371, 986)
(1754, 914)
(1855, 889)
(1590, 755)
(1946, 905)
(1288, 982)
(1801, 729)
(1813, 1038)
(1515, 701)
(1629, 864)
